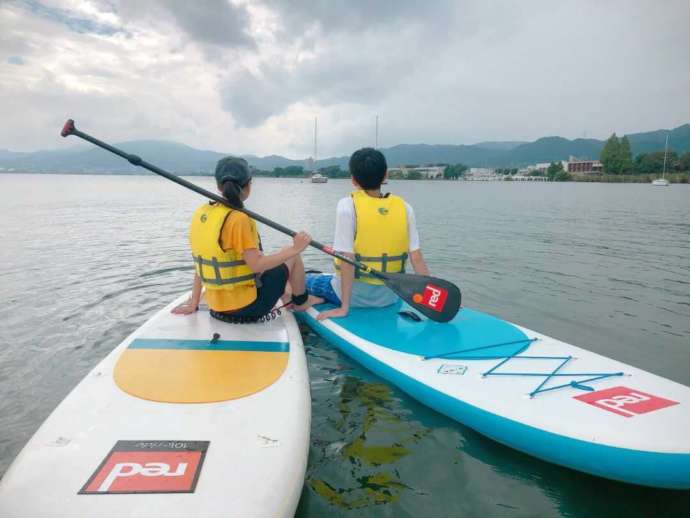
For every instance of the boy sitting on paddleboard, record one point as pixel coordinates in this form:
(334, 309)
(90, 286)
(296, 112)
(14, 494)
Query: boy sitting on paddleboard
(242, 284)
(376, 229)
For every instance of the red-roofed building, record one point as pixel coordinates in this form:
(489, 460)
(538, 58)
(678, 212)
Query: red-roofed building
(580, 166)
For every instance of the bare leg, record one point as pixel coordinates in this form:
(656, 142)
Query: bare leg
(287, 294)
(296, 283)
(297, 275)
(287, 291)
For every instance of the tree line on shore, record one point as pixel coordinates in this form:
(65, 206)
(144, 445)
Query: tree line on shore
(616, 159)
(451, 172)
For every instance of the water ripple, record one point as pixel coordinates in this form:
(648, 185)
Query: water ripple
(601, 266)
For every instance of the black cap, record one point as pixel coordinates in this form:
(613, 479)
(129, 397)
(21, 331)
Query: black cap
(234, 169)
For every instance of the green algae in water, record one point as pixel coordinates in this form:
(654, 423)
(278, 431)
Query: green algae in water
(377, 489)
(378, 439)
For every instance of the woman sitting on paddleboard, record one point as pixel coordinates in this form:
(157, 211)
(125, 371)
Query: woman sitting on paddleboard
(242, 284)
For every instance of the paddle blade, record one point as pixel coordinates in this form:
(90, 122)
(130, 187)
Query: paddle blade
(434, 298)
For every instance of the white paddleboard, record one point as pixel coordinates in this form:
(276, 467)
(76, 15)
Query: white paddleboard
(175, 423)
(544, 397)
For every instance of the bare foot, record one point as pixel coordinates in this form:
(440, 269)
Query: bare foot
(309, 303)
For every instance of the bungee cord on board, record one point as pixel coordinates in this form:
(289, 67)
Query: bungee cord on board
(579, 384)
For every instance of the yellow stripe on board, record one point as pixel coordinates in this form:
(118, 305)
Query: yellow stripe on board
(193, 376)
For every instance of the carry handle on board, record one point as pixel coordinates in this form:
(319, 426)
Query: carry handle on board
(435, 298)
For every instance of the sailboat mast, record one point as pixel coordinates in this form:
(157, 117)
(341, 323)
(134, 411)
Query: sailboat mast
(663, 174)
(315, 142)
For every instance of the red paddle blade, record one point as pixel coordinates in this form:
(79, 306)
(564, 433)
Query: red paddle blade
(68, 128)
(434, 298)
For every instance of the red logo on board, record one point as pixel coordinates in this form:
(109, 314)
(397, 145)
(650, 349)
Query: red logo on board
(625, 401)
(434, 297)
(148, 467)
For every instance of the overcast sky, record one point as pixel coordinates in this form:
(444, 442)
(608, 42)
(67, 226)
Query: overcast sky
(250, 76)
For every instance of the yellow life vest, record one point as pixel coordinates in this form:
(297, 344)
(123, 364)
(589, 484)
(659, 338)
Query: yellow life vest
(381, 240)
(219, 269)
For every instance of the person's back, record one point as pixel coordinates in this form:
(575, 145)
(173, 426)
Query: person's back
(242, 284)
(218, 238)
(376, 229)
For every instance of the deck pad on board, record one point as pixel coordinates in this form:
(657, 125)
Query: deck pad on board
(470, 332)
(199, 371)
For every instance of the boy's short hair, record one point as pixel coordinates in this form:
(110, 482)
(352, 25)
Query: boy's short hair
(368, 167)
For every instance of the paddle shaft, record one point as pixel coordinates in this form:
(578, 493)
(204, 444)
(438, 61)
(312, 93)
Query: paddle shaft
(70, 129)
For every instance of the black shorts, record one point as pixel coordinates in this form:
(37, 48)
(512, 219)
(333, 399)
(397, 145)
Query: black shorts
(268, 291)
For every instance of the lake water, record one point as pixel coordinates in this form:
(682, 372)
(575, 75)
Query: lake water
(85, 260)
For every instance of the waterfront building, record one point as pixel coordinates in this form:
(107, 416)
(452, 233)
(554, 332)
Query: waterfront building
(542, 167)
(428, 172)
(482, 174)
(579, 166)
(527, 178)
(431, 172)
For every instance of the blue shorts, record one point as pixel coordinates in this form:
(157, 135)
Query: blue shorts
(319, 285)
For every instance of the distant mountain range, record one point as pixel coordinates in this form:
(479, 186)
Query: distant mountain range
(183, 159)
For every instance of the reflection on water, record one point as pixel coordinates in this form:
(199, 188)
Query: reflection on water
(85, 260)
(362, 435)
(371, 438)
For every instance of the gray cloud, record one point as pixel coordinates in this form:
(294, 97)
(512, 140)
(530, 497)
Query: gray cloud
(332, 78)
(216, 22)
(355, 15)
(356, 52)
(465, 71)
(252, 99)
(250, 76)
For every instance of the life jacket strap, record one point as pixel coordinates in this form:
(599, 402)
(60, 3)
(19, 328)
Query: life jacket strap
(215, 262)
(217, 280)
(384, 259)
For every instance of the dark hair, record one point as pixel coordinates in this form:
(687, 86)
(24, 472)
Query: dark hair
(232, 175)
(231, 191)
(368, 167)
(233, 168)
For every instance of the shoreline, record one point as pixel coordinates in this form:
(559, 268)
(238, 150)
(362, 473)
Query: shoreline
(674, 178)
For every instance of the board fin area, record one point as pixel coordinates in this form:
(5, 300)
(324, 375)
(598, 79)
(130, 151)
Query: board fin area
(199, 371)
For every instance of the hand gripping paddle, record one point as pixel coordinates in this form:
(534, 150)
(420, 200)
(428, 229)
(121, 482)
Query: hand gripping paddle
(435, 298)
